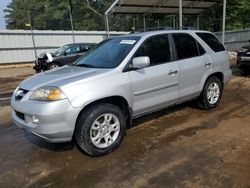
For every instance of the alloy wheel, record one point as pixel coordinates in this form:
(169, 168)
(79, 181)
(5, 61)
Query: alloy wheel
(105, 130)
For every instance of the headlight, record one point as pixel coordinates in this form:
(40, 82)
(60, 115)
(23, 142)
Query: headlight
(47, 94)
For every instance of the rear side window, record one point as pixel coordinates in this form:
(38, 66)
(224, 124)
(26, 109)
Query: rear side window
(157, 48)
(211, 41)
(186, 46)
(85, 47)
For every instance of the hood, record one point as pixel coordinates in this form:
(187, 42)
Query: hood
(54, 54)
(44, 55)
(60, 77)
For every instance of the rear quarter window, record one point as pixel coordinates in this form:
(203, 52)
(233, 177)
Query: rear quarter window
(211, 41)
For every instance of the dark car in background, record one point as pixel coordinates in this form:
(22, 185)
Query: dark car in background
(243, 58)
(64, 55)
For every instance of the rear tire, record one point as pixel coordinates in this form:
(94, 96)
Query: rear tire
(100, 129)
(211, 94)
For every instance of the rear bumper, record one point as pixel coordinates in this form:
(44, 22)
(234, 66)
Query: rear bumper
(227, 76)
(243, 60)
(243, 63)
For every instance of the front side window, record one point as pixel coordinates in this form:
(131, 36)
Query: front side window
(156, 48)
(109, 53)
(211, 41)
(73, 49)
(186, 46)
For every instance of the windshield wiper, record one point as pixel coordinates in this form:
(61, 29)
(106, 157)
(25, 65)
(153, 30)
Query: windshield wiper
(85, 65)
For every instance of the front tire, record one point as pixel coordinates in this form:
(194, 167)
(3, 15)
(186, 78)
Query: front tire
(53, 66)
(211, 94)
(100, 129)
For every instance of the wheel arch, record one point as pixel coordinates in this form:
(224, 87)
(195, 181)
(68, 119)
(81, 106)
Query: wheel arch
(218, 75)
(119, 101)
(202, 99)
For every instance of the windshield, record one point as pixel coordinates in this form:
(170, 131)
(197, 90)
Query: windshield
(109, 53)
(60, 50)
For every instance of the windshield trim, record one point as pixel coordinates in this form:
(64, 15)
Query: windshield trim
(125, 39)
(63, 48)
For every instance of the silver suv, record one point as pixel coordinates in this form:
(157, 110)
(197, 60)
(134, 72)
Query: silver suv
(95, 99)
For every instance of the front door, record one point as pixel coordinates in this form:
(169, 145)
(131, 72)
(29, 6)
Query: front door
(155, 86)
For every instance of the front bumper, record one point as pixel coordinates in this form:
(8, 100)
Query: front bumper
(40, 65)
(56, 118)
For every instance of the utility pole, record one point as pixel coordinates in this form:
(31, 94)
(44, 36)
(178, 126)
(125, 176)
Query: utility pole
(174, 26)
(134, 24)
(32, 34)
(224, 21)
(180, 15)
(71, 21)
(107, 25)
(144, 22)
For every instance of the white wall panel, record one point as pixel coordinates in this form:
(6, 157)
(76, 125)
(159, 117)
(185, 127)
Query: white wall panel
(16, 45)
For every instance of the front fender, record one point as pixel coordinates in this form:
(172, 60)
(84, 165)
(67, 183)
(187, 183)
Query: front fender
(84, 93)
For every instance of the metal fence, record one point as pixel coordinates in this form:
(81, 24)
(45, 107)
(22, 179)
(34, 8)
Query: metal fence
(235, 39)
(16, 45)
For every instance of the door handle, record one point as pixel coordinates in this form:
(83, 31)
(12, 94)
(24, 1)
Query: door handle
(208, 64)
(172, 72)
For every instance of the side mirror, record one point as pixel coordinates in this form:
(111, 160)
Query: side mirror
(141, 62)
(65, 53)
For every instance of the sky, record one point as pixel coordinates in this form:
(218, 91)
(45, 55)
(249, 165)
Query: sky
(3, 4)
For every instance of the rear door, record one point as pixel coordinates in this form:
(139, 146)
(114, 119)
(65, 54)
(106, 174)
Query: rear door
(193, 62)
(71, 54)
(155, 86)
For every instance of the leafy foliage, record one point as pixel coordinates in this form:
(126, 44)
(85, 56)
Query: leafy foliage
(55, 15)
(238, 16)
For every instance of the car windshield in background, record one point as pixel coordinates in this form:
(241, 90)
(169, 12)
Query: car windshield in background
(60, 50)
(109, 53)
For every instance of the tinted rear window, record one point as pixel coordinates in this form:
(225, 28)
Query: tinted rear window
(109, 53)
(187, 46)
(211, 41)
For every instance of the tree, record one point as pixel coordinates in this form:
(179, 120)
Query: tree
(238, 16)
(54, 15)
(45, 14)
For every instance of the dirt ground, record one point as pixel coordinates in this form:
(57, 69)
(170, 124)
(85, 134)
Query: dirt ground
(178, 147)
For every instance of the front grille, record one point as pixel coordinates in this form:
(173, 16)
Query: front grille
(20, 115)
(20, 93)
